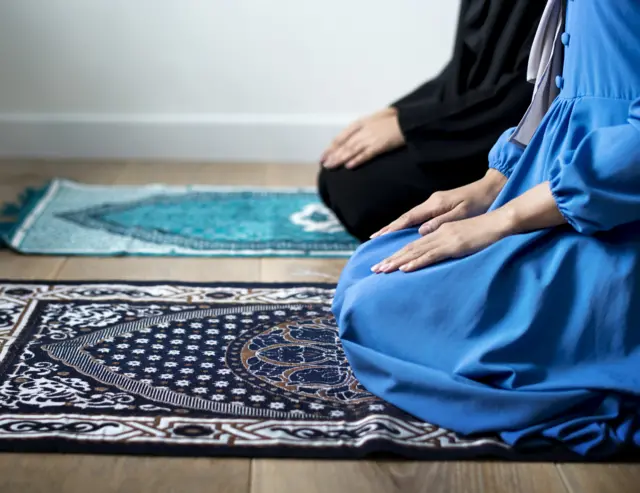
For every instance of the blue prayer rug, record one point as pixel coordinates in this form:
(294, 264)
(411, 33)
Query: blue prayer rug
(67, 218)
(252, 370)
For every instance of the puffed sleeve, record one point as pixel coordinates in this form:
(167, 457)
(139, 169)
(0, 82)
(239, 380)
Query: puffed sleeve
(504, 154)
(597, 187)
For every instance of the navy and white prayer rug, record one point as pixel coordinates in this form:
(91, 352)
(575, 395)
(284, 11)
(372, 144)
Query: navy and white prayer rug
(67, 218)
(199, 370)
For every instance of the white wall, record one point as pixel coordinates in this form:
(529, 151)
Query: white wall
(218, 79)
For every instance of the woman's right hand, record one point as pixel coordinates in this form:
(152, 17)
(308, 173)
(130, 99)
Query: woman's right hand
(364, 139)
(451, 205)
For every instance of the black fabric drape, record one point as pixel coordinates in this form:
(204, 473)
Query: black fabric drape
(483, 89)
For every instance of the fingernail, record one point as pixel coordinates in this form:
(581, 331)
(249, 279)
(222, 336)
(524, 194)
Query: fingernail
(405, 267)
(374, 235)
(375, 268)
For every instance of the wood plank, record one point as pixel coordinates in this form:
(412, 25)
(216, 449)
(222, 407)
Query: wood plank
(51, 473)
(301, 270)
(37, 172)
(293, 476)
(236, 174)
(601, 478)
(16, 266)
(9, 193)
(162, 268)
(291, 175)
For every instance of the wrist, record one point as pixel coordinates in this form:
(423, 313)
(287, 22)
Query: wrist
(390, 111)
(505, 220)
(495, 178)
(492, 184)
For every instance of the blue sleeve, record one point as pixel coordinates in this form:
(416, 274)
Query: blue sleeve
(597, 187)
(504, 154)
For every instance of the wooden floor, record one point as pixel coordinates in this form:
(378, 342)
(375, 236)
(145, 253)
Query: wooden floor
(123, 474)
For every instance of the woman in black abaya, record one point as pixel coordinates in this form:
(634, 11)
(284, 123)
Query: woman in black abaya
(437, 137)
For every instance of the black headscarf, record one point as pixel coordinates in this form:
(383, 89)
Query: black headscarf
(482, 91)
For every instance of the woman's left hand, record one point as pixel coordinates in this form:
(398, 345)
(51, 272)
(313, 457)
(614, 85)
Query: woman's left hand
(451, 240)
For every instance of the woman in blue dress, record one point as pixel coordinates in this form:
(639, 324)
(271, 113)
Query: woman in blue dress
(512, 305)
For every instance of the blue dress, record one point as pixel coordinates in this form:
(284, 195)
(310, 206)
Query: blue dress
(537, 337)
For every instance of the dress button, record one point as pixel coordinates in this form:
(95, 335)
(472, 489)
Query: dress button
(565, 39)
(559, 82)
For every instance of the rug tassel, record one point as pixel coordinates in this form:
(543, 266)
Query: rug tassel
(12, 213)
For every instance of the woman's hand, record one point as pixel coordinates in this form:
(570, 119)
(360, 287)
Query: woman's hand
(364, 139)
(452, 240)
(453, 205)
(533, 210)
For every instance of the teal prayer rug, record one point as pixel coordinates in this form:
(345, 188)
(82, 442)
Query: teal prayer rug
(67, 218)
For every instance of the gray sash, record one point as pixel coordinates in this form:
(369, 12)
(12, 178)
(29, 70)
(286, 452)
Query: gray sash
(545, 62)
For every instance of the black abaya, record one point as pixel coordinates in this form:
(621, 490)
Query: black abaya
(450, 123)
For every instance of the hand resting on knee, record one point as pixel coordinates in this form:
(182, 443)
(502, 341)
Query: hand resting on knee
(451, 205)
(364, 139)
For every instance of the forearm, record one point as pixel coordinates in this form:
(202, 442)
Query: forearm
(533, 210)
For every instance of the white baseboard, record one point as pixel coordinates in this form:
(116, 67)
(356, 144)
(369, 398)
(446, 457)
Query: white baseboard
(218, 137)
